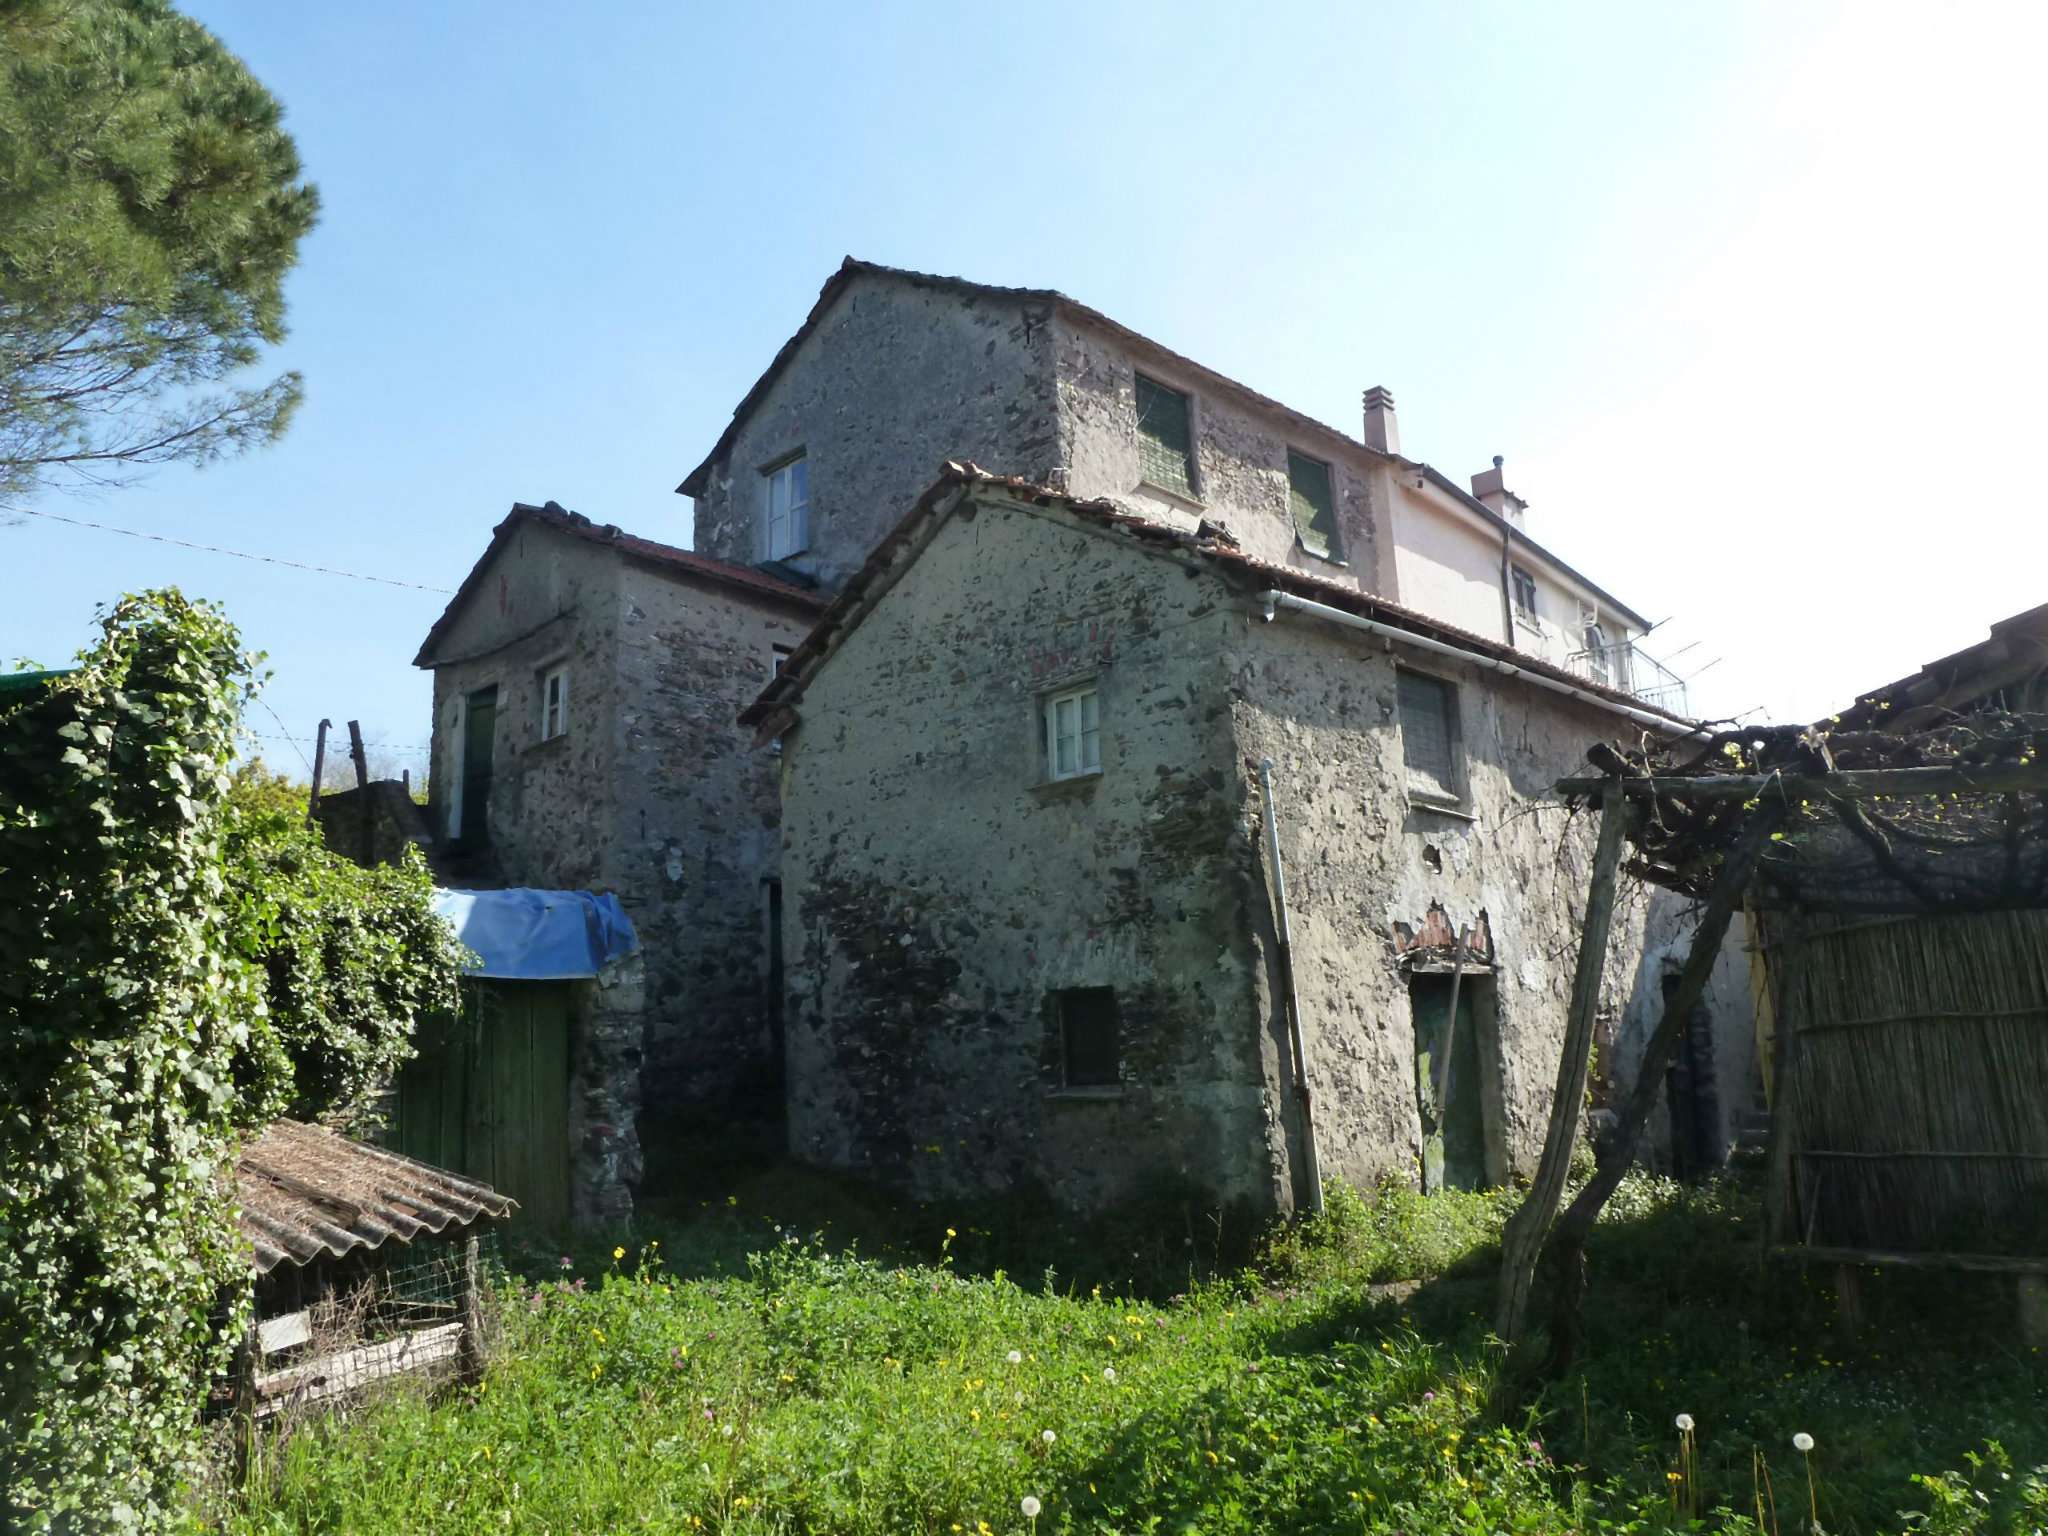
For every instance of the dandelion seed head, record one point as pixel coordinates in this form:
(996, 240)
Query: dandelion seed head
(1030, 1506)
(1802, 1442)
(1109, 1374)
(1684, 1422)
(1015, 1357)
(1047, 1436)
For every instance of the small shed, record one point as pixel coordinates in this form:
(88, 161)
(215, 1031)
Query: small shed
(534, 1088)
(366, 1265)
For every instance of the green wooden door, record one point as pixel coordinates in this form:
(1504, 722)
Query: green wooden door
(491, 1100)
(479, 749)
(1453, 1129)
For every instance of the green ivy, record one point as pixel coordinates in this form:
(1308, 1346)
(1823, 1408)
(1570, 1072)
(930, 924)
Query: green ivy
(124, 1009)
(351, 957)
(181, 960)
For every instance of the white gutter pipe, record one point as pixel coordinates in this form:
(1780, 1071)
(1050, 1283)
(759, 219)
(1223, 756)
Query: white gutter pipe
(1276, 600)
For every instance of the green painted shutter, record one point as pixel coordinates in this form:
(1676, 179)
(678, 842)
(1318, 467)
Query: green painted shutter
(1165, 444)
(1312, 502)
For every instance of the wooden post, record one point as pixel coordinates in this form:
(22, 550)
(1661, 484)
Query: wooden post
(248, 1359)
(1737, 865)
(366, 852)
(1784, 1133)
(1522, 1242)
(319, 764)
(471, 1352)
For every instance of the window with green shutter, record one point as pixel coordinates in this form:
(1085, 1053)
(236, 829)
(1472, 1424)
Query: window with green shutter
(1429, 735)
(1166, 450)
(1313, 503)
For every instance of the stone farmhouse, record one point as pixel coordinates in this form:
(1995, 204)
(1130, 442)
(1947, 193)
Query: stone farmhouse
(585, 684)
(588, 683)
(1033, 753)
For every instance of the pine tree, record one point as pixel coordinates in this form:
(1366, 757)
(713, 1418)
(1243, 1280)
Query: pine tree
(150, 206)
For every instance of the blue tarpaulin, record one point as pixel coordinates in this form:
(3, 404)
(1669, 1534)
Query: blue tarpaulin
(528, 935)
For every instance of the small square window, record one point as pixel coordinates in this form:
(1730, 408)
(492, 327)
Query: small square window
(1429, 735)
(788, 523)
(1313, 504)
(1166, 449)
(1073, 734)
(1525, 594)
(554, 703)
(1088, 1037)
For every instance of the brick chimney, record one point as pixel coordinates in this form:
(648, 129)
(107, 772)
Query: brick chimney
(1380, 431)
(1490, 487)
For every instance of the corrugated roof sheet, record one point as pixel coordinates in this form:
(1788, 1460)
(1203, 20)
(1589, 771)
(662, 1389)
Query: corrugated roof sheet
(309, 1193)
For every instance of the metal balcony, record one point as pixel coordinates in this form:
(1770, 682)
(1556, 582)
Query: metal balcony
(1626, 666)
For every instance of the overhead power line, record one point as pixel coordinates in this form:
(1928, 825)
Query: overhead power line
(239, 554)
(418, 749)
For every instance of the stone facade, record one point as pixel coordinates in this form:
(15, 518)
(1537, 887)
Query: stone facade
(949, 899)
(895, 372)
(892, 379)
(651, 792)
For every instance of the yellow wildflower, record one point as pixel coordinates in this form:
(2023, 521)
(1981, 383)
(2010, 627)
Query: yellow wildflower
(619, 1252)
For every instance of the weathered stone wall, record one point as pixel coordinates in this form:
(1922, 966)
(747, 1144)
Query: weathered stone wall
(392, 823)
(1240, 459)
(941, 891)
(896, 379)
(547, 599)
(696, 835)
(1321, 703)
(604, 1094)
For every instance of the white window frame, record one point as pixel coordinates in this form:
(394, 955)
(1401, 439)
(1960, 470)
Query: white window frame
(1086, 699)
(786, 529)
(1599, 651)
(1519, 577)
(557, 707)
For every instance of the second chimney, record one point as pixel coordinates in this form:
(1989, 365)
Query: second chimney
(1490, 486)
(1380, 431)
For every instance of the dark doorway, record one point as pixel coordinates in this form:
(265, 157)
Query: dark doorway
(1692, 1094)
(479, 739)
(1453, 1121)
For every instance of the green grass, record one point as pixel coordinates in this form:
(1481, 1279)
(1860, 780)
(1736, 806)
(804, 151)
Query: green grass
(729, 1376)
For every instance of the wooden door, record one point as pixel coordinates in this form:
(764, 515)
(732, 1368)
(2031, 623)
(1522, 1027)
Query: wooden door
(491, 1100)
(1453, 1128)
(479, 744)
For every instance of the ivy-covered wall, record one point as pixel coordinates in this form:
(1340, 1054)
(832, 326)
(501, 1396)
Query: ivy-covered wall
(133, 1052)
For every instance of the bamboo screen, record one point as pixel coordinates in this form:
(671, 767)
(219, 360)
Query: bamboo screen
(1917, 1080)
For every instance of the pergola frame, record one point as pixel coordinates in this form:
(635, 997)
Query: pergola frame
(1625, 794)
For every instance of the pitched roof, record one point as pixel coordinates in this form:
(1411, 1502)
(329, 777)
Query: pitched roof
(851, 268)
(307, 1193)
(866, 587)
(663, 557)
(2015, 654)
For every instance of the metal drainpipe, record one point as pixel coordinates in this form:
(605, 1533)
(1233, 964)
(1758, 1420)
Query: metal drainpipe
(1507, 589)
(1678, 730)
(1293, 1001)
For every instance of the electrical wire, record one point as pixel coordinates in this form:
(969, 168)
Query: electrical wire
(239, 554)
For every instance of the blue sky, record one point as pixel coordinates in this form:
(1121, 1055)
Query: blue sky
(1747, 295)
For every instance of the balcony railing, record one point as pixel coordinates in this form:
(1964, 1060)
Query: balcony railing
(1625, 665)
